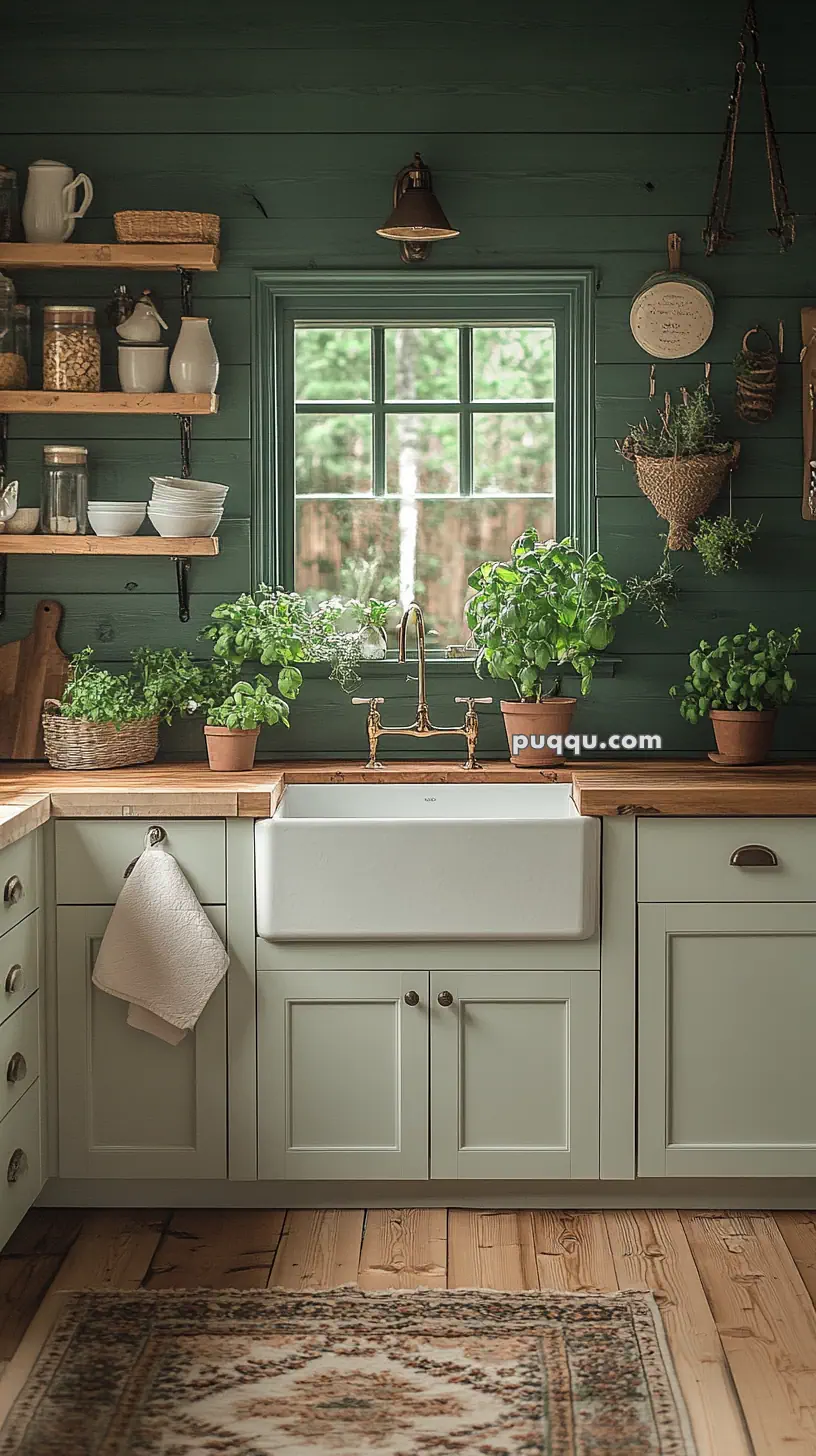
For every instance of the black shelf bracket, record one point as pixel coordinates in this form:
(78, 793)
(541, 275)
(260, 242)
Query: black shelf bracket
(3, 447)
(186, 429)
(186, 276)
(182, 565)
(3, 580)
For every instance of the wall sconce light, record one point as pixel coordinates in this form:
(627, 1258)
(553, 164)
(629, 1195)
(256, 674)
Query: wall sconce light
(417, 220)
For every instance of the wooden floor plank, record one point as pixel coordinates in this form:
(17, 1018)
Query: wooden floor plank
(798, 1229)
(210, 1248)
(319, 1249)
(650, 1251)
(404, 1248)
(572, 1252)
(491, 1250)
(112, 1251)
(28, 1265)
(766, 1324)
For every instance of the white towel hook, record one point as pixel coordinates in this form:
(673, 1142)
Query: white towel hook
(155, 835)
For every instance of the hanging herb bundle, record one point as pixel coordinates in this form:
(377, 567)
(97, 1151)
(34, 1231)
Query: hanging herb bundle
(756, 379)
(722, 541)
(655, 593)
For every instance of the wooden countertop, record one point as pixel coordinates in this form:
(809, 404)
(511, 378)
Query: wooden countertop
(30, 795)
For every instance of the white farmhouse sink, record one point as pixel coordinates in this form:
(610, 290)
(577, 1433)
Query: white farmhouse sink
(427, 862)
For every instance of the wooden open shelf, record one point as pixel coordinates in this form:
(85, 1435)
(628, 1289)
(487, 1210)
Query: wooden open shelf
(11, 545)
(163, 257)
(108, 402)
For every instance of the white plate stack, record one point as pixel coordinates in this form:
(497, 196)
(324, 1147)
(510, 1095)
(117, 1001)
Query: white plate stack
(186, 507)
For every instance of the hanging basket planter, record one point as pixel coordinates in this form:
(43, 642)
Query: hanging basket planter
(756, 380)
(681, 488)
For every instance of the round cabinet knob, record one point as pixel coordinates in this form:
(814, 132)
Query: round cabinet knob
(444, 998)
(13, 890)
(411, 998)
(17, 1069)
(18, 1166)
(15, 980)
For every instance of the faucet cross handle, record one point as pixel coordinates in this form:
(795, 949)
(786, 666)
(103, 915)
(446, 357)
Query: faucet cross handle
(367, 702)
(470, 701)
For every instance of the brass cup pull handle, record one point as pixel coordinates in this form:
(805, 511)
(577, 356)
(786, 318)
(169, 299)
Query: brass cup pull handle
(13, 890)
(17, 1069)
(15, 980)
(17, 1166)
(411, 998)
(445, 998)
(753, 854)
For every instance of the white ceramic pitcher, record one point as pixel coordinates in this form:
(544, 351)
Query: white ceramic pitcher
(49, 210)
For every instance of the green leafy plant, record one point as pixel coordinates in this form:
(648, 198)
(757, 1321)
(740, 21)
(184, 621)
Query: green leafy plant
(249, 705)
(689, 428)
(655, 593)
(748, 671)
(721, 541)
(548, 606)
(159, 684)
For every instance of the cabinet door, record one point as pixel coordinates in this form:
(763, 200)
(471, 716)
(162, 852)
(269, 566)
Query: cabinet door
(727, 1078)
(514, 1074)
(342, 1074)
(130, 1105)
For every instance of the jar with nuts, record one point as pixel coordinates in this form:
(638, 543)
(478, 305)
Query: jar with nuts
(71, 349)
(13, 371)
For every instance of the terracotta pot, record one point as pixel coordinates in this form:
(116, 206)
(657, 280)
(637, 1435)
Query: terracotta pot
(231, 750)
(742, 736)
(536, 722)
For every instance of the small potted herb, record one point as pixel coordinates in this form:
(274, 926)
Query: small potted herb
(740, 683)
(548, 607)
(233, 724)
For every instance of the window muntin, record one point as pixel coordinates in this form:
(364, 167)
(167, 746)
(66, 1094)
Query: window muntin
(420, 450)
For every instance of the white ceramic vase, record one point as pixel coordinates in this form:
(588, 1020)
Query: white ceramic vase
(194, 362)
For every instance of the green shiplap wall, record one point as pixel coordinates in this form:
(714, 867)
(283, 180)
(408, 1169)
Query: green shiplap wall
(581, 135)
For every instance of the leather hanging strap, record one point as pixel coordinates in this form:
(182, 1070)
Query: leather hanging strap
(716, 231)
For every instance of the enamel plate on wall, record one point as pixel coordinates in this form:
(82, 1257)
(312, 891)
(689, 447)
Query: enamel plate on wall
(673, 314)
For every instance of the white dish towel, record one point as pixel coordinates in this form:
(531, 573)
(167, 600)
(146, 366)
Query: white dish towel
(160, 951)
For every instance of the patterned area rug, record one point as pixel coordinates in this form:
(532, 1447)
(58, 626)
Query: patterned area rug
(410, 1374)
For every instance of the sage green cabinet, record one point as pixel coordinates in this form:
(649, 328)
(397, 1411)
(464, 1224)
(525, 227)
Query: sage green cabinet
(727, 1074)
(342, 1074)
(131, 1105)
(514, 1074)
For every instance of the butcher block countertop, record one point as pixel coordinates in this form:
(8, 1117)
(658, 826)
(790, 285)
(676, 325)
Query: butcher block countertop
(30, 795)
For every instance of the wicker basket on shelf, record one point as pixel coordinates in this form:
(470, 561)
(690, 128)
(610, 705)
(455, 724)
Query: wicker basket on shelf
(74, 743)
(167, 227)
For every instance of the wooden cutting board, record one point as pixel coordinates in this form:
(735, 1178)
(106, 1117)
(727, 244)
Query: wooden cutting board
(31, 670)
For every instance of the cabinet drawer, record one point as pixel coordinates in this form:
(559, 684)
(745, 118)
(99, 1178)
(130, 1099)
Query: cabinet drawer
(19, 964)
(19, 882)
(19, 1054)
(93, 854)
(690, 860)
(20, 1161)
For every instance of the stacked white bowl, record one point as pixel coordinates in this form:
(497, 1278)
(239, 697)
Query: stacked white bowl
(116, 518)
(186, 507)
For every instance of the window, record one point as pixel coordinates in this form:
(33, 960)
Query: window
(417, 429)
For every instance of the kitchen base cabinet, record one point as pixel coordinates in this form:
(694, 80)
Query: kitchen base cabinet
(131, 1105)
(727, 1083)
(342, 1074)
(514, 1074)
(20, 1161)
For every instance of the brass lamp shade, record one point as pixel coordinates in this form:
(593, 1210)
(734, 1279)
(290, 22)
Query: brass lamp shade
(417, 219)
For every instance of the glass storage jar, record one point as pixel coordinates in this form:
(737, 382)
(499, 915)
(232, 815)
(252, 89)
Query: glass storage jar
(71, 349)
(64, 510)
(13, 373)
(22, 340)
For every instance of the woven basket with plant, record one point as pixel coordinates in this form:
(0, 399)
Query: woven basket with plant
(679, 462)
(111, 720)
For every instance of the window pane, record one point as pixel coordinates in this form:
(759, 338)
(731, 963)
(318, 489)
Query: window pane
(513, 454)
(513, 363)
(422, 454)
(422, 364)
(423, 548)
(333, 363)
(333, 454)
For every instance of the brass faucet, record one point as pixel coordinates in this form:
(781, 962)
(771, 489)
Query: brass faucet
(422, 727)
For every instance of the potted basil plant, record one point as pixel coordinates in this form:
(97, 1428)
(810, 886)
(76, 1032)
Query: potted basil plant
(741, 682)
(546, 608)
(233, 724)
